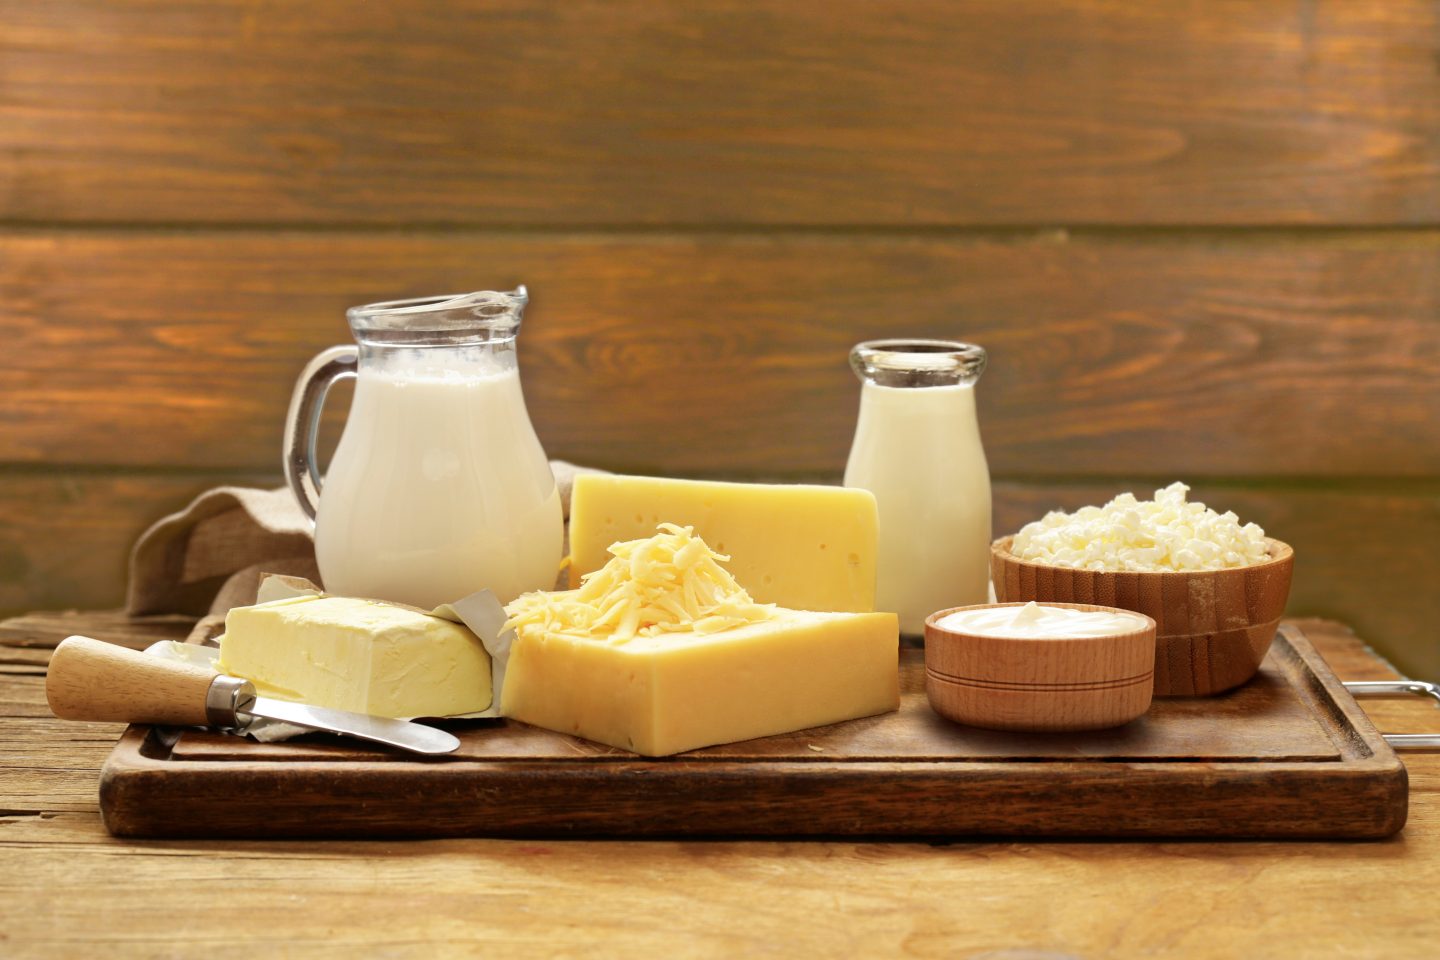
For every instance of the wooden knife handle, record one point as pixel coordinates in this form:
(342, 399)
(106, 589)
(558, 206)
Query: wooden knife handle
(90, 680)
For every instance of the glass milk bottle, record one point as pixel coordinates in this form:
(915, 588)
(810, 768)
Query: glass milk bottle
(439, 486)
(917, 448)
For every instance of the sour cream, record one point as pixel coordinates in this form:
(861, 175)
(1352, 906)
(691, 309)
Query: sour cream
(1036, 622)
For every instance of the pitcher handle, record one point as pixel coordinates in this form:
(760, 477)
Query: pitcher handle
(302, 424)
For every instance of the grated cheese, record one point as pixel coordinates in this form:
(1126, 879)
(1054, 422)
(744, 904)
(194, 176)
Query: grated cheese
(1127, 534)
(669, 583)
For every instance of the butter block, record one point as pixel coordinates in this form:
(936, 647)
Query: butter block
(800, 546)
(359, 655)
(667, 694)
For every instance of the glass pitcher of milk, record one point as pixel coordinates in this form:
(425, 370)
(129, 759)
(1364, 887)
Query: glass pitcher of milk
(439, 486)
(917, 448)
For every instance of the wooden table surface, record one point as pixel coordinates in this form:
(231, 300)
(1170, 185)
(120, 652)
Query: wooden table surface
(67, 887)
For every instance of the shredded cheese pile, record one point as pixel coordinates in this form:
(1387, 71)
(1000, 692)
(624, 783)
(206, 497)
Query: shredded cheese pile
(669, 583)
(1166, 533)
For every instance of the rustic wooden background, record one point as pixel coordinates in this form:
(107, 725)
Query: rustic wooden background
(1200, 240)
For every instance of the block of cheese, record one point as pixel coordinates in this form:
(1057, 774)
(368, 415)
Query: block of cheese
(361, 655)
(666, 694)
(800, 546)
(662, 651)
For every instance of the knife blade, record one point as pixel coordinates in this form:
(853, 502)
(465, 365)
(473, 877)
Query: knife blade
(232, 703)
(91, 680)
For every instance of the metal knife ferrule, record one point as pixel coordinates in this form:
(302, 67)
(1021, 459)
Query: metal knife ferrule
(227, 701)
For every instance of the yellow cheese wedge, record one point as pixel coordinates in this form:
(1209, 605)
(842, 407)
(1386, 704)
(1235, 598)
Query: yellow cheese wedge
(799, 546)
(360, 655)
(674, 692)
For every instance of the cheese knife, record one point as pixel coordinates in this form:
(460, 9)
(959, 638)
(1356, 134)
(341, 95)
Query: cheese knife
(91, 680)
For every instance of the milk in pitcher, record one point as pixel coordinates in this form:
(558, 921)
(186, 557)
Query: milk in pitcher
(430, 518)
(439, 486)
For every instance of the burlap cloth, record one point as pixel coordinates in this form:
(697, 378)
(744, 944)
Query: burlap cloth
(209, 557)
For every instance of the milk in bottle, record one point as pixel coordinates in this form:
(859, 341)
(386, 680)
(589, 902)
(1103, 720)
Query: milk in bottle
(917, 448)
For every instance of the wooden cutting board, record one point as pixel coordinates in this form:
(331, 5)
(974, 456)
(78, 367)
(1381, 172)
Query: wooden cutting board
(1289, 754)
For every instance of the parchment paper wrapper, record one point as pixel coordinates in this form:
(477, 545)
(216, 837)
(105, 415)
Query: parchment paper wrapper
(480, 612)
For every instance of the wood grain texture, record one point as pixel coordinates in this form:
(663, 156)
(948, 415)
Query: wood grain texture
(813, 782)
(814, 112)
(1357, 552)
(40, 632)
(92, 680)
(726, 355)
(1212, 626)
(1361, 554)
(1291, 732)
(69, 888)
(1040, 683)
(65, 538)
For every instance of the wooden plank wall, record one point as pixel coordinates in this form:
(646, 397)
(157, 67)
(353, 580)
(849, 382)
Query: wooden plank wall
(1200, 240)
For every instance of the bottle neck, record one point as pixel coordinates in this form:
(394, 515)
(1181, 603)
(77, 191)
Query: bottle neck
(942, 412)
(951, 397)
(918, 363)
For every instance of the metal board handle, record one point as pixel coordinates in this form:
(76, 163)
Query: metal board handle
(1394, 689)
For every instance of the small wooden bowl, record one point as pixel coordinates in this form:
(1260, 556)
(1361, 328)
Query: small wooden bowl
(1213, 626)
(1061, 683)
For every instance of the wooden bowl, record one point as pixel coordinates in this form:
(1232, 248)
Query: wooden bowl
(1213, 626)
(1059, 683)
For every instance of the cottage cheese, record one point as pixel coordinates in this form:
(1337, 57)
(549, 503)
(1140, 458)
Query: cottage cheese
(1167, 533)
